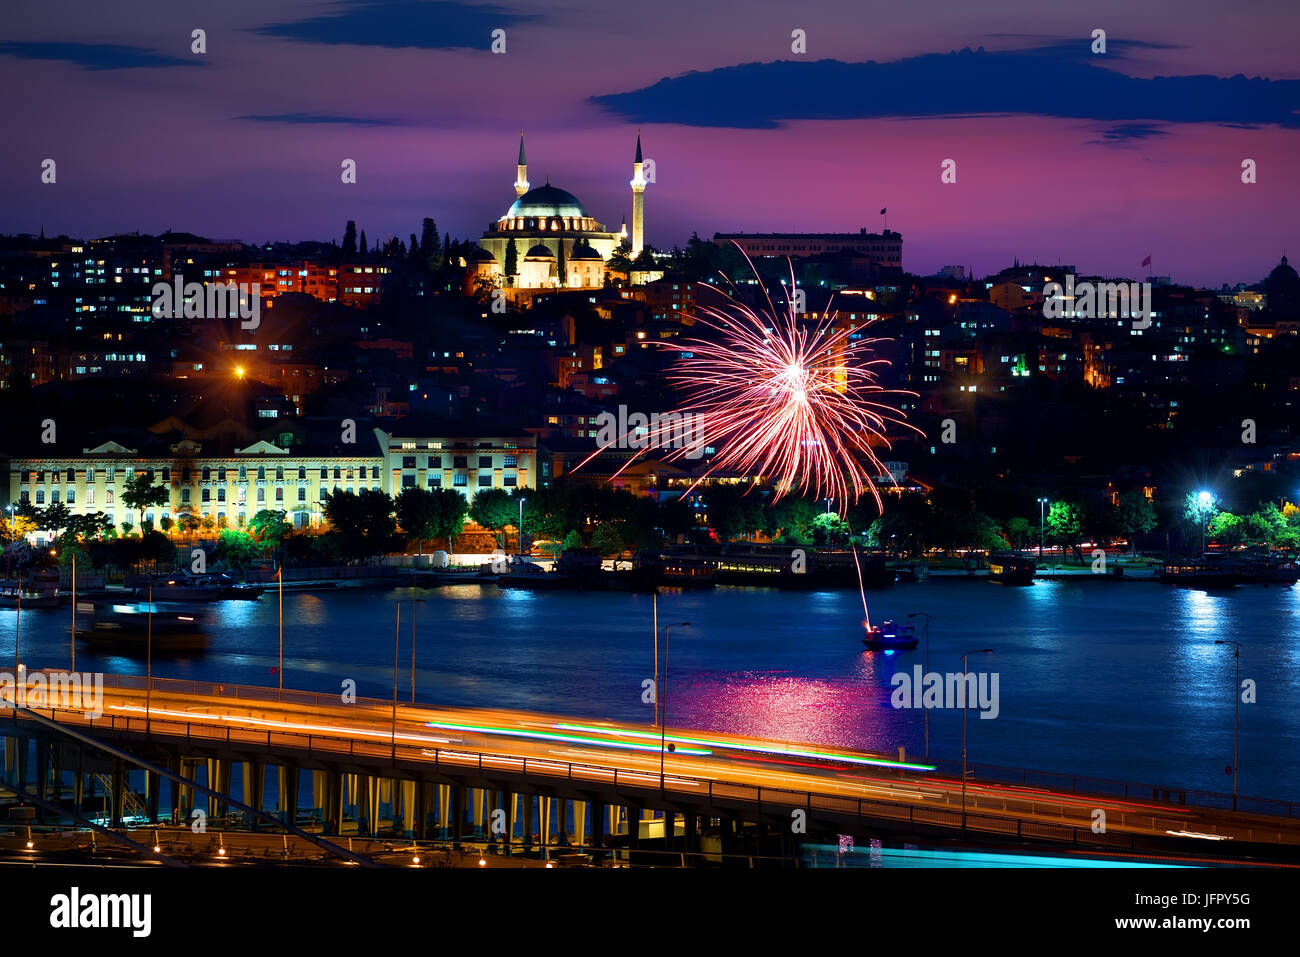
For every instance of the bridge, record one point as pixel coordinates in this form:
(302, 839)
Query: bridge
(524, 783)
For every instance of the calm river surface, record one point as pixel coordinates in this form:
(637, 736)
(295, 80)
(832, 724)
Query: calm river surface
(1118, 680)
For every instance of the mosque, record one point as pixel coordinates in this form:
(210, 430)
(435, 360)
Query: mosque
(557, 242)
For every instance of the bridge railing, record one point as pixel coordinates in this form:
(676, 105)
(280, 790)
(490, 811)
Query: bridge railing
(982, 811)
(1078, 784)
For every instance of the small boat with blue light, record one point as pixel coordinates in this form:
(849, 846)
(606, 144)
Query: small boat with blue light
(890, 636)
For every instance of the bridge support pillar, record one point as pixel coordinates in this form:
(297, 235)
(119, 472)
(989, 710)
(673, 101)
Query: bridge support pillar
(444, 808)
(289, 793)
(598, 816)
(42, 775)
(691, 837)
(333, 805)
(254, 788)
(528, 822)
(670, 830)
(363, 789)
(119, 792)
(78, 782)
(11, 753)
(634, 816)
(579, 823)
(152, 787)
(408, 808)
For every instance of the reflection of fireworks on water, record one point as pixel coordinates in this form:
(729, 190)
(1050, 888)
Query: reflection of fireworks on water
(797, 403)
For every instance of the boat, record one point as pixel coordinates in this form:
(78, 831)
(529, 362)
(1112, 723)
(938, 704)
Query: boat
(1268, 571)
(1010, 569)
(132, 626)
(185, 586)
(1196, 573)
(890, 636)
(532, 575)
(27, 594)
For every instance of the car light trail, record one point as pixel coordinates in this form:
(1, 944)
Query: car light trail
(567, 738)
(732, 746)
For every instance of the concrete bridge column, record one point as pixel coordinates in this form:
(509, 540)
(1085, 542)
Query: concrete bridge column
(670, 830)
(152, 785)
(634, 818)
(318, 793)
(119, 792)
(528, 822)
(42, 776)
(365, 807)
(11, 753)
(691, 839)
(333, 813)
(408, 808)
(254, 788)
(598, 816)
(444, 807)
(579, 822)
(288, 797)
(78, 782)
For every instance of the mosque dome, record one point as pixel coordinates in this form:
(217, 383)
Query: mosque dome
(540, 251)
(547, 201)
(582, 251)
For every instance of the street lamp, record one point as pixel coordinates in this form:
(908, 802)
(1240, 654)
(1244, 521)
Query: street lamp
(397, 632)
(1042, 521)
(1204, 502)
(1236, 711)
(521, 526)
(965, 706)
(663, 715)
(922, 614)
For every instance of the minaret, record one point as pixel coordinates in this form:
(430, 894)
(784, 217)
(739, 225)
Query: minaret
(638, 201)
(521, 177)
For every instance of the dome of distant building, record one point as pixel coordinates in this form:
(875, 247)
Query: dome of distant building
(481, 256)
(1282, 289)
(545, 201)
(566, 246)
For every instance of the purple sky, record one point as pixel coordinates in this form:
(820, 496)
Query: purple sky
(1090, 172)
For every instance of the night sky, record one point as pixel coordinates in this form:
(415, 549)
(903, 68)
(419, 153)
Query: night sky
(1062, 156)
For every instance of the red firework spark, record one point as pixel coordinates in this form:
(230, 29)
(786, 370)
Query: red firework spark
(797, 403)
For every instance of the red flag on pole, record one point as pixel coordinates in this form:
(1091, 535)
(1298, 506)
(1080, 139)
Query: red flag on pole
(1147, 261)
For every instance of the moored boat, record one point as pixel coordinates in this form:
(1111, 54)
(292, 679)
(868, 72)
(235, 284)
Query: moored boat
(1195, 573)
(890, 636)
(1010, 569)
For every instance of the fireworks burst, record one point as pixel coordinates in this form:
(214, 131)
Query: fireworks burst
(797, 403)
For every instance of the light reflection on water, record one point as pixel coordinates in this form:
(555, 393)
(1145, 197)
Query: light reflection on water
(1112, 679)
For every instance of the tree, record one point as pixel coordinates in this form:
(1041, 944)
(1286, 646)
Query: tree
(190, 523)
(350, 241)
(269, 527)
(608, 540)
(417, 514)
(1137, 515)
(236, 548)
(364, 248)
(429, 246)
(449, 514)
(363, 520)
(1019, 531)
(512, 259)
(1065, 524)
(562, 265)
(166, 523)
(139, 493)
(573, 540)
(55, 518)
(494, 509)
(126, 528)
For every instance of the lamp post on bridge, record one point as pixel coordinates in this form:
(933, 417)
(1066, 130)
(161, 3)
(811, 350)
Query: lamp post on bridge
(397, 633)
(965, 706)
(663, 716)
(1236, 710)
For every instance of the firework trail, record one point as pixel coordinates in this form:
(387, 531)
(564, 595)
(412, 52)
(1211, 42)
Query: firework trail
(797, 403)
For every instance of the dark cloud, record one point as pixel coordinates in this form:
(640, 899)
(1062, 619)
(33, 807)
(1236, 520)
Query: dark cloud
(966, 83)
(97, 56)
(313, 118)
(1127, 132)
(436, 25)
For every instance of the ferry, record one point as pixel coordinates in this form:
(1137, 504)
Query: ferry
(1009, 569)
(27, 594)
(131, 626)
(890, 636)
(1196, 573)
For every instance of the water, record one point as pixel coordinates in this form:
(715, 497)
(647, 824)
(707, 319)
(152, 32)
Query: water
(1119, 680)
